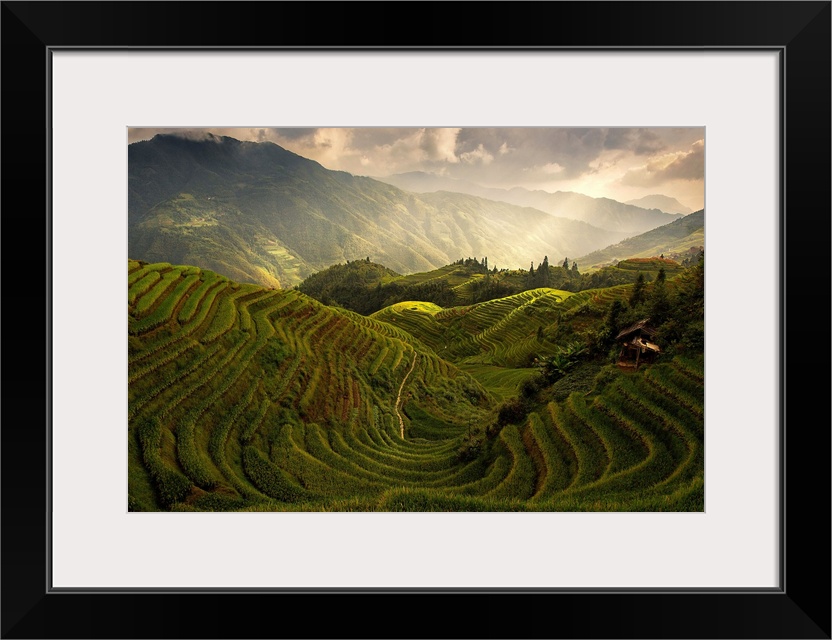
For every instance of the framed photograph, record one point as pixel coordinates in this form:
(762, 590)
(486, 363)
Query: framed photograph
(124, 494)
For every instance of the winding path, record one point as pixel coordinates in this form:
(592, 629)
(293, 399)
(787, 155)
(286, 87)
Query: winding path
(399, 397)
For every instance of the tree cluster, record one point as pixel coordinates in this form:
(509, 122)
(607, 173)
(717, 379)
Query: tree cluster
(358, 286)
(676, 309)
(490, 288)
(564, 276)
(473, 265)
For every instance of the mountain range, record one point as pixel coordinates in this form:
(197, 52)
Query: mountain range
(259, 213)
(599, 212)
(664, 203)
(679, 239)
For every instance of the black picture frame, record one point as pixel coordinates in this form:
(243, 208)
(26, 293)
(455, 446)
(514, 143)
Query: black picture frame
(800, 608)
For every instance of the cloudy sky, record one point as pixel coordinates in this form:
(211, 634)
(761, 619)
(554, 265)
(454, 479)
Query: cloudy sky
(617, 163)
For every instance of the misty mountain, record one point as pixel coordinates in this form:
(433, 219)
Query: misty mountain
(663, 203)
(258, 213)
(424, 182)
(603, 213)
(681, 238)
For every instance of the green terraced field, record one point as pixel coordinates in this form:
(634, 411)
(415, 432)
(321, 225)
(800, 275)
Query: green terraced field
(501, 332)
(245, 398)
(502, 382)
(455, 275)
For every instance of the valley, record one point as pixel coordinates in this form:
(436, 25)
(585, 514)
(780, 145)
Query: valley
(261, 214)
(302, 338)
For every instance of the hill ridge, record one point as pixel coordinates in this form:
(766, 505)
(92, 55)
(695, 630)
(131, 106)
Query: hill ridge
(259, 213)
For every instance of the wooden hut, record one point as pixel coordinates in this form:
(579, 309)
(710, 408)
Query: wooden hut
(637, 346)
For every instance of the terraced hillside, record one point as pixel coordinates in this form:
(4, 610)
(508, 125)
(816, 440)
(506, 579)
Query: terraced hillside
(367, 287)
(219, 370)
(248, 398)
(506, 332)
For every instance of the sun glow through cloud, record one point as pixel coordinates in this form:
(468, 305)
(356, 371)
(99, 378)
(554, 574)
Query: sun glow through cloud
(617, 163)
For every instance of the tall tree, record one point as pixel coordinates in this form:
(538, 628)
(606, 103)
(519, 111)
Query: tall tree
(638, 294)
(659, 300)
(543, 273)
(609, 330)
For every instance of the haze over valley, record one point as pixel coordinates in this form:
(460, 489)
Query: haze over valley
(259, 213)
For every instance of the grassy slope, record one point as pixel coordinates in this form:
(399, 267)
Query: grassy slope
(674, 239)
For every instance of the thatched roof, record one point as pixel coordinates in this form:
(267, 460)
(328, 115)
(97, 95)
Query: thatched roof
(641, 327)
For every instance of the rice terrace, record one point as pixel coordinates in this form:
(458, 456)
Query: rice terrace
(415, 320)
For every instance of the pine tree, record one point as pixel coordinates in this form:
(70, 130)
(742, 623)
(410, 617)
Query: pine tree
(637, 296)
(543, 272)
(659, 300)
(610, 328)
